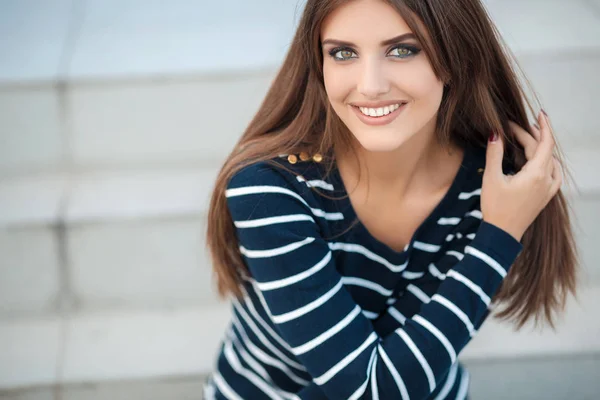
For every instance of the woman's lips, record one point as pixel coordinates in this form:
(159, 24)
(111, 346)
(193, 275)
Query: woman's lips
(383, 120)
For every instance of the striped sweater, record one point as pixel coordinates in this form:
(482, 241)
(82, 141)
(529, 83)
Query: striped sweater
(330, 312)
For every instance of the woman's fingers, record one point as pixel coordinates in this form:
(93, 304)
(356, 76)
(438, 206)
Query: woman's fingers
(535, 131)
(538, 146)
(513, 204)
(557, 177)
(542, 158)
(547, 138)
(493, 160)
(528, 142)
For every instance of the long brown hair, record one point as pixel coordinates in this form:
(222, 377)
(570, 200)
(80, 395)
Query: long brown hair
(482, 95)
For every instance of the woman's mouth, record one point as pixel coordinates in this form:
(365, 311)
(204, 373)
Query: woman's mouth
(380, 115)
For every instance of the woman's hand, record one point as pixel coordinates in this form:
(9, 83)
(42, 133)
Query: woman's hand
(513, 202)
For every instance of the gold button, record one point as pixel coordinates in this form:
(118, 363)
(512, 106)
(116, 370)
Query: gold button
(292, 159)
(480, 170)
(304, 156)
(317, 157)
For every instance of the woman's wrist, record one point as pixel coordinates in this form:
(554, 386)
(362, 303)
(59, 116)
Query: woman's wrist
(515, 232)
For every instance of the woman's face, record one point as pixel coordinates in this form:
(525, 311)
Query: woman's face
(367, 71)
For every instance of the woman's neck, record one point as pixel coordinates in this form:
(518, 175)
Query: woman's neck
(420, 166)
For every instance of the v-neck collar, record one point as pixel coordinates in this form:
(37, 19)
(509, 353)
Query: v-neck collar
(381, 248)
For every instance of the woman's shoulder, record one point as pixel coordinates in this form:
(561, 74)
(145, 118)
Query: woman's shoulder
(276, 187)
(281, 171)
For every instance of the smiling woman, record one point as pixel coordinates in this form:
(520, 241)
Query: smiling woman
(389, 191)
(361, 70)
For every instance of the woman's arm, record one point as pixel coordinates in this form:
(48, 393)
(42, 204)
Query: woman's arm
(295, 277)
(395, 316)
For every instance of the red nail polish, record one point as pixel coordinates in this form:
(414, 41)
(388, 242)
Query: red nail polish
(493, 137)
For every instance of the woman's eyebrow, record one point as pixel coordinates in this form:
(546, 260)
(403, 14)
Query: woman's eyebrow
(387, 42)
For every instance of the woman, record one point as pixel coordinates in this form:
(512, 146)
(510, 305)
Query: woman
(365, 225)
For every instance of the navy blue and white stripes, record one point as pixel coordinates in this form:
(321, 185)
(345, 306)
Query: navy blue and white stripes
(333, 313)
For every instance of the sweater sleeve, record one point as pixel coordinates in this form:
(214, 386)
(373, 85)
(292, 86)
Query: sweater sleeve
(294, 275)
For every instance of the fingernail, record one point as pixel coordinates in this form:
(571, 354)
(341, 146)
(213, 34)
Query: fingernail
(493, 137)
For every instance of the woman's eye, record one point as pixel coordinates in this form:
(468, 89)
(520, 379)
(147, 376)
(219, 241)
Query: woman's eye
(402, 52)
(342, 54)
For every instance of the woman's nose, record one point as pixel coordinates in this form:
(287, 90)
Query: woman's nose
(372, 81)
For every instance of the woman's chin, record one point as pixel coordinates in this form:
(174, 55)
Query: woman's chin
(382, 144)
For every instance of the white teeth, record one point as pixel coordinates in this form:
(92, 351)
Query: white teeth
(379, 112)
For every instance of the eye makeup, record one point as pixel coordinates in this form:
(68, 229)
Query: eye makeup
(404, 51)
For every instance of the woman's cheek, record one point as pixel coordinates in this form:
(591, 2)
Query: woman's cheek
(419, 81)
(337, 83)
